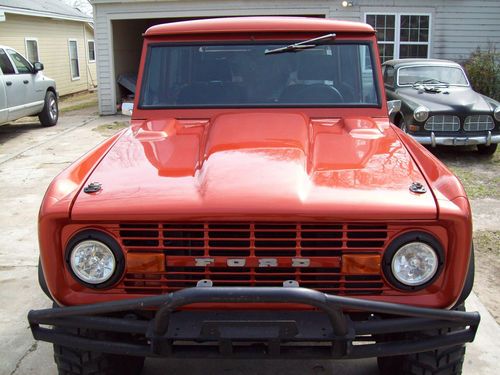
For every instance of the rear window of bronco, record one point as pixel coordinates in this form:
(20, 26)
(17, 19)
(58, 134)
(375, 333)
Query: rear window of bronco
(243, 75)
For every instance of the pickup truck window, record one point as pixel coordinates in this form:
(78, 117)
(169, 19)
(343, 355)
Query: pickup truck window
(5, 63)
(22, 66)
(243, 75)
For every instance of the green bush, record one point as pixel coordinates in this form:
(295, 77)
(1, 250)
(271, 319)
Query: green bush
(483, 70)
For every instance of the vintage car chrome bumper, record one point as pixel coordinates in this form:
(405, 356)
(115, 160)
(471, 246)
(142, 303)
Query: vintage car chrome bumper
(434, 140)
(330, 330)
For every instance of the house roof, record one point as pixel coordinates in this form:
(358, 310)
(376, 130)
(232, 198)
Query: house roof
(43, 8)
(258, 24)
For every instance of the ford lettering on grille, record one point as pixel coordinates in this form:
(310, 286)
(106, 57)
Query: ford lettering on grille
(255, 262)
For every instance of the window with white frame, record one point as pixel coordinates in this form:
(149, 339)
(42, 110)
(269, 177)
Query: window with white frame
(32, 50)
(73, 59)
(401, 35)
(91, 49)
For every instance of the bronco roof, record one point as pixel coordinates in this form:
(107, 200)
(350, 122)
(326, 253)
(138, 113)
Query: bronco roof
(258, 24)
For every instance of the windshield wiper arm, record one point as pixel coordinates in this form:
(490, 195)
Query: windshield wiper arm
(430, 82)
(300, 46)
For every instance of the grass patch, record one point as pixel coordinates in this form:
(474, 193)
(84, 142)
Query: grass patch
(479, 174)
(488, 242)
(110, 129)
(78, 106)
(477, 183)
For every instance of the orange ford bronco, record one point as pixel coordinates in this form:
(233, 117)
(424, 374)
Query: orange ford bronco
(260, 205)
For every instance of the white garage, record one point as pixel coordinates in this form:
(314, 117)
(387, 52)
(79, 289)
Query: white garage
(405, 28)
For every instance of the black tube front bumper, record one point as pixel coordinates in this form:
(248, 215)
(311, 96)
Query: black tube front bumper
(325, 332)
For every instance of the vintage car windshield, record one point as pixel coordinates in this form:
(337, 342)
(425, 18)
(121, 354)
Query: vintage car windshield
(432, 75)
(242, 75)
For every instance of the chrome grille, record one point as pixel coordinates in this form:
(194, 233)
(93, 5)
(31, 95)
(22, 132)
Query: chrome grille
(323, 244)
(442, 123)
(479, 123)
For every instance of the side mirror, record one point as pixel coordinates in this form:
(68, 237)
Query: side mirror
(127, 108)
(38, 66)
(393, 106)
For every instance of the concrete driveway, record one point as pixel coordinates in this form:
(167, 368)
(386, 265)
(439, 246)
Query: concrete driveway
(30, 156)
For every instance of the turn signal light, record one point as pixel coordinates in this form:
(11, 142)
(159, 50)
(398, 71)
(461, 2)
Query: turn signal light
(145, 262)
(361, 264)
(414, 128)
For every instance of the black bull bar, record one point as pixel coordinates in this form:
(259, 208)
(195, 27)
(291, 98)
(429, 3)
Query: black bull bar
(325, 332)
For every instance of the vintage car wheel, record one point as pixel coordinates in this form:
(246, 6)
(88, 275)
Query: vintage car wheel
(402, 125)
(50, 111)
(71, 361)
(487, 150)
(445, 361)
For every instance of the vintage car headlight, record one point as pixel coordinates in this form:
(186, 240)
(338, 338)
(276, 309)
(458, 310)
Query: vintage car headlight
(95, 259)
(496, 114)
(92, 262)
(421, 113)
(414, 263)
(413, 260)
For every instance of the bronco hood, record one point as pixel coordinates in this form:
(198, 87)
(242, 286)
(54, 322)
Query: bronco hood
(257, 165)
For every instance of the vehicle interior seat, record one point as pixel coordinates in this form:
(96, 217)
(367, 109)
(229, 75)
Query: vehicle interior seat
(315, 78)
(212, 85)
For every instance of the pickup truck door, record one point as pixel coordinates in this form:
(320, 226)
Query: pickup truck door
(5, 65)
(3, 100)
(20, 87)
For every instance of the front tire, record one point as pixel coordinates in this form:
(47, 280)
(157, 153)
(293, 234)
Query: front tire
(444, 361)
(71, 361)
(50, 111)
(487, 150)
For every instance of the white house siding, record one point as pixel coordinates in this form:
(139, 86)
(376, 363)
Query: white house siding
(53, 50)
(457, 26)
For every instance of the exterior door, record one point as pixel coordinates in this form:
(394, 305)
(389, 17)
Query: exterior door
(20, 87)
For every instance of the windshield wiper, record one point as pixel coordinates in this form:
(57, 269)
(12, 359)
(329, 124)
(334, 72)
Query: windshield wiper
(431, 81)
(300, 46)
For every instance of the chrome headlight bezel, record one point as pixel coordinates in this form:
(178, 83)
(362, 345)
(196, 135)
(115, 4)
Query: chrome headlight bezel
(496, 113)
(421, 114)
(109, 244)
(398, 244)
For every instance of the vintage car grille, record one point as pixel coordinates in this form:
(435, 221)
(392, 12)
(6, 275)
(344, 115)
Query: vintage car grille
(183, 243)
(442, 123)
(479, 123)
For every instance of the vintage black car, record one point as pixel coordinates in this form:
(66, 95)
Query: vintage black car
(438, 105)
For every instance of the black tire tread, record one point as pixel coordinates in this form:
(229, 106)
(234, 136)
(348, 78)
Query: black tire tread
(71, 361)
(44, 116)
(443, 361)
(487, 150)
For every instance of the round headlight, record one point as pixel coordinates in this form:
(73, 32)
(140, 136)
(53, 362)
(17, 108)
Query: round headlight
(421, 114)
(496, 114)
(92, 262)
(414, 264)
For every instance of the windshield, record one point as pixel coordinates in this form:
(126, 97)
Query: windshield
(243, 75)
(432, 75)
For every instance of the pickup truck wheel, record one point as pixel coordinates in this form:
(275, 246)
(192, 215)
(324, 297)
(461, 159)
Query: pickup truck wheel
(50, 111)
(445, 361)
(487, 150)
(71, 361)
